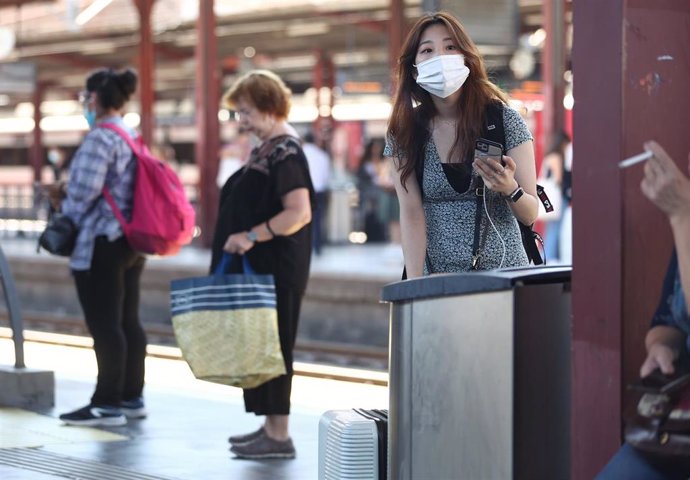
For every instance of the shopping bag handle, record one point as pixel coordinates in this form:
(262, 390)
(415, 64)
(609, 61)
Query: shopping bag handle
(227, 260)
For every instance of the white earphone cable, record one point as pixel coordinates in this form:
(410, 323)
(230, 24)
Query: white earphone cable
(493, 226)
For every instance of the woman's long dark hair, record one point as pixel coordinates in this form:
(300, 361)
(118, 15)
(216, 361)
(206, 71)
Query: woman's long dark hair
(409, 125)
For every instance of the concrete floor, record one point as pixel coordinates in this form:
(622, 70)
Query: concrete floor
(184, 437)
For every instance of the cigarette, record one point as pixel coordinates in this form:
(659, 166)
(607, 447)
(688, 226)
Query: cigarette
(640, 157)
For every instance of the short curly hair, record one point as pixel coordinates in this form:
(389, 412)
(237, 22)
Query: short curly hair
(264, 89)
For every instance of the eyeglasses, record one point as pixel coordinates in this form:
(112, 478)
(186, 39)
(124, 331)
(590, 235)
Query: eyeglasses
(84, 97)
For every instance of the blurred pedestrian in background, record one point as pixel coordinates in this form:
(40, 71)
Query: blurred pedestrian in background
(444, 103)
(233, 156)
(320, 170)
(552, 178)
(565, 238)
(370, 191)
(265, 214)
(57, 161)
(106, 270)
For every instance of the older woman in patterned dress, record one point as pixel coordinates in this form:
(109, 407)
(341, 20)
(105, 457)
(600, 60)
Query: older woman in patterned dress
(265, 214)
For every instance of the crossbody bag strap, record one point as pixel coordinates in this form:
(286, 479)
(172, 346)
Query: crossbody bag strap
(479, 232)
(493, 130)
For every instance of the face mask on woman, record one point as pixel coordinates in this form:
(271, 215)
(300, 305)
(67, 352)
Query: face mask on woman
(442, 75)
(90, 116)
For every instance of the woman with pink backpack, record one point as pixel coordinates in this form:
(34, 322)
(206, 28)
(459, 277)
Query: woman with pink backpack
(105, 268)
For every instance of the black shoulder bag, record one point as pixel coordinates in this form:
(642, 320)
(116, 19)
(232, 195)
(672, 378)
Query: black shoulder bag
(59, 236)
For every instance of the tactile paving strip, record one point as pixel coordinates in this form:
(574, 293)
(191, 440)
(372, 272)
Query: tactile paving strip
(24, 429)
(38, 460)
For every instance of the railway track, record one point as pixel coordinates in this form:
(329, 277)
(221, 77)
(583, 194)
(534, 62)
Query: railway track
(312, 357)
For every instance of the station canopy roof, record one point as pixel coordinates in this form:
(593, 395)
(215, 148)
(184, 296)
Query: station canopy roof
(65, 39)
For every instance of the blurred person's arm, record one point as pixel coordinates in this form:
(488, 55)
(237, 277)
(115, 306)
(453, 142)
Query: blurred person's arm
(412, 222)
(669, 189)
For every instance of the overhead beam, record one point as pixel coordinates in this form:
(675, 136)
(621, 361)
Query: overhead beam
(74, 60)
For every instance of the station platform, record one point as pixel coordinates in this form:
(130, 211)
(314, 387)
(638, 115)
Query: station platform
(184, 436)
(342, 319)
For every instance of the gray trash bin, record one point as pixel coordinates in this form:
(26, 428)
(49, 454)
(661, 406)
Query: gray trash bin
(480, 375)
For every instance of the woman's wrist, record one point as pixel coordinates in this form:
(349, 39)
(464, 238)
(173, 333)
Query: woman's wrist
(680, 221)
(269, 229)
(515, 194)
(514, 188)
(261, 233)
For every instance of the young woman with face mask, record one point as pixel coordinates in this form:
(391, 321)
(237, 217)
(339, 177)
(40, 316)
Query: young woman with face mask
(106, 270)
(458, 212)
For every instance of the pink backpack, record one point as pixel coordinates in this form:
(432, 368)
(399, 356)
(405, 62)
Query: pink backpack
(162, 218)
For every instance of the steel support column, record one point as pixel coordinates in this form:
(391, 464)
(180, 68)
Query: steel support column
(146, 69)
(553, 67)
(37, 145)
(207, 99)
(597, 266)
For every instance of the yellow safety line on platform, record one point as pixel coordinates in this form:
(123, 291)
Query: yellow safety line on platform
(173, 353)
(20, 428)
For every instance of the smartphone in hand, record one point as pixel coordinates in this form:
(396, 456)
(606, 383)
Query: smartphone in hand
(657, 382)
(484, 148)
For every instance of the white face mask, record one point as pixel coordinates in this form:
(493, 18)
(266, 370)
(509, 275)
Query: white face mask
(442, 75)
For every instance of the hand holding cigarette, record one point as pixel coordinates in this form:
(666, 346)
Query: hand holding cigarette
(635, 159)
(664, 183)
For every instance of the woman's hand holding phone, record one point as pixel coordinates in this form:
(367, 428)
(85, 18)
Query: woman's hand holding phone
(497, 177)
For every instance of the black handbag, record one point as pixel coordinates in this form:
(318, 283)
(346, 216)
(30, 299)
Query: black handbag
(658, 425)
(60, 235)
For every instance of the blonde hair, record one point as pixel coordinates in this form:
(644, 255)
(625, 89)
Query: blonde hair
(264, 89)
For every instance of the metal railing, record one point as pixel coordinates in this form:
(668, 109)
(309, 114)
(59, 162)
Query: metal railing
(24, 209)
